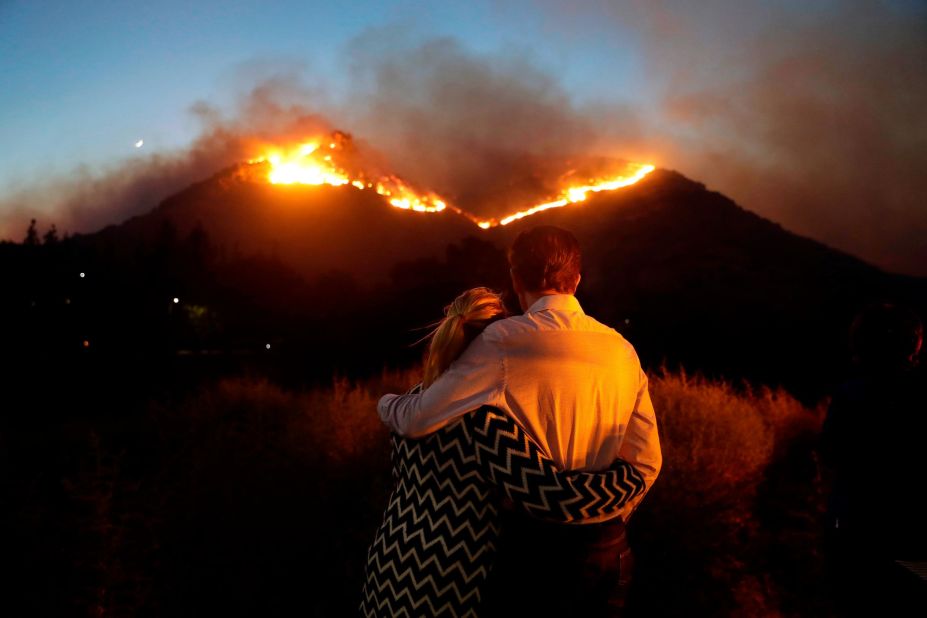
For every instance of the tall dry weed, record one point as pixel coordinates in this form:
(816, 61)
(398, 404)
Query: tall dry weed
(716, 442)
(704, 528)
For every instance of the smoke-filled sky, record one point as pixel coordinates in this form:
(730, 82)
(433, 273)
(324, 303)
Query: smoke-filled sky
(813, 114)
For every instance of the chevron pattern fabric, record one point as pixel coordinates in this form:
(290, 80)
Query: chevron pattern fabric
(435, 548)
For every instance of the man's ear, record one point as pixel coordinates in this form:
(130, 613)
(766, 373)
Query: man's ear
(516, 284)
(578, 279)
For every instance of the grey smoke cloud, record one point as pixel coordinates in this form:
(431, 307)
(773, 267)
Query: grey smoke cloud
(490, 133)
(813, 115)
(816, 119)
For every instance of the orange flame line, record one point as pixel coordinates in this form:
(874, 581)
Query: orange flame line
(573, 195)
(303, 166)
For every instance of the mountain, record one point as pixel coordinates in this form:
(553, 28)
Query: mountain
(313, 229)
(339, 280)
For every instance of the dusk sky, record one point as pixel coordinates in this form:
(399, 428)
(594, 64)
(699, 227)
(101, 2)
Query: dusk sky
(813, 114)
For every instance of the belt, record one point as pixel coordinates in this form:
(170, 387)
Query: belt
(599, 535)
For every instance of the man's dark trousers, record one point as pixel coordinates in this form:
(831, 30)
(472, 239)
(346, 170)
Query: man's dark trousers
(547, 569)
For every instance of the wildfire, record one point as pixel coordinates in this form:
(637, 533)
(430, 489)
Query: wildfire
(575, 194)
(323, 161)
(313, 163)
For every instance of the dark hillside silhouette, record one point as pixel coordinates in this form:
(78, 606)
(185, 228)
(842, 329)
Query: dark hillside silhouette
(688, 275)
(305, 281)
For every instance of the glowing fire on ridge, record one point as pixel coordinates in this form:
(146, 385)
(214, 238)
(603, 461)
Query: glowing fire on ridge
(573, 195)
(313, 163)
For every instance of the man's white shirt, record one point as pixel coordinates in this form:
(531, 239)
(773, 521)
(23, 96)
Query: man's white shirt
(575, 386)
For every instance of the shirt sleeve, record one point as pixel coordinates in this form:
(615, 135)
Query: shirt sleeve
(512, 461)
(476, 378)
(641, 445)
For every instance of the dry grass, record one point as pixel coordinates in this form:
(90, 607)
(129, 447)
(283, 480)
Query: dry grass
(702, 533)
(706, 529)
(716, 443)
(250, 499)
(271, 493)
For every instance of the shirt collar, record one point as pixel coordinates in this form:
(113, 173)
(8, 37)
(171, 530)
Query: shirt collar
(557, 302)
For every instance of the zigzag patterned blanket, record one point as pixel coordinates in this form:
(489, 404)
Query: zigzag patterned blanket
(436, 546)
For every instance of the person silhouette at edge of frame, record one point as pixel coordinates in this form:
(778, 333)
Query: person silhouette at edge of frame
(872, 451)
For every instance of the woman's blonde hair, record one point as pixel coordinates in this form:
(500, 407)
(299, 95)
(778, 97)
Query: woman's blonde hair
(464, 319)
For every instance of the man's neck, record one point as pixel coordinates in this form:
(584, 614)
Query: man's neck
(529, 298)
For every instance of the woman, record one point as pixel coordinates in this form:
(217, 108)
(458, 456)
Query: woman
(435, 548)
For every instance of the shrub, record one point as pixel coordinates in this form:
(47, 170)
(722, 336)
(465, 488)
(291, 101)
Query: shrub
(700, 532)
(271, 494)
(716, 442)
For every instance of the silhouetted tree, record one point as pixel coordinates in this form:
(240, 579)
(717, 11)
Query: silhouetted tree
(475, 261)
(199, 246)
(32, 235)
(167, 237)
(51, 236)
(164, 255)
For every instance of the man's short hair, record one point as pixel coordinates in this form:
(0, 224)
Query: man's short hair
(546, 258)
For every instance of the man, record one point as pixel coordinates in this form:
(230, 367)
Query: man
(576, 387)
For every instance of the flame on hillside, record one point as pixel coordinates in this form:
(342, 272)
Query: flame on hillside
(318, 162)
(326, 161)
(576, 194)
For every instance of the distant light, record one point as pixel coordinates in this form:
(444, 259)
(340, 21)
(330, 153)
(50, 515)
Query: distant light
(176, 300)
(267, 346)
(86, 343)
(67, 301)
(140, 143)
(82, 275)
